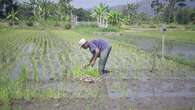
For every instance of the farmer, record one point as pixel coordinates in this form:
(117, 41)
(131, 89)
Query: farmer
(99, 48)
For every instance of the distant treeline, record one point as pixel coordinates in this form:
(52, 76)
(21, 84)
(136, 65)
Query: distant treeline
(166, 11)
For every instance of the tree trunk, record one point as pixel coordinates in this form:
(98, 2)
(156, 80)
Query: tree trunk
(171, 10)
(100, 21)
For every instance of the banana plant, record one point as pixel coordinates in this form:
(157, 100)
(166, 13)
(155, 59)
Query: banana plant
(40, 8)
(115, 18)
(13, 17)
(100, 13)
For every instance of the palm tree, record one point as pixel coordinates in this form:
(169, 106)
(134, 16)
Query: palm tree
(115, 18)
(100, 13)
(12, 17)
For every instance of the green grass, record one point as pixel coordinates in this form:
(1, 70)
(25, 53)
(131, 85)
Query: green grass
(177, 35)
(90, 30)
(181, 36)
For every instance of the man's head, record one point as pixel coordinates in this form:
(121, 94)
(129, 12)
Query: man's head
(83, 43)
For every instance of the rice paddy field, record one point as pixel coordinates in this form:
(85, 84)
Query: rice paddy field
(41, 70)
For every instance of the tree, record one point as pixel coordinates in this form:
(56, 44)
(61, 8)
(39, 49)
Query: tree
(168, 8)
(114, 18)
(100, 13)
(13, 17)
(40, 8)
(132, 8)
(142, 18)
(82, 14)
(6, 6)
(184, 15)
(157, 6)
(46, 6)
(192, 16)
(24, 12)
(65, 8)
(131, 13)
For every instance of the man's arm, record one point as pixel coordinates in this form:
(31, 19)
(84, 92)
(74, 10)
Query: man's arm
(91, 59)
(94, 58)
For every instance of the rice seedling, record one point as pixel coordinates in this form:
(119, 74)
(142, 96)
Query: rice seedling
(78, 72)
(55, 54)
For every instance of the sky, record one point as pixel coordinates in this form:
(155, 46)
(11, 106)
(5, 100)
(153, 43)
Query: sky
(86, 4)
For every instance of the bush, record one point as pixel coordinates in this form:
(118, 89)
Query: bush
(172, 26)
(11, 23)
(57, 24)
(193, 27)
(190, 27)
(29, 23)
(110, 29)
(67, 26)
(187, 27)
(87, 24)
(16, 23)
(184, 15)
(152, 26)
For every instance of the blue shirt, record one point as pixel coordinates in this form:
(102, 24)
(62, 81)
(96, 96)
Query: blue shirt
(98, 43)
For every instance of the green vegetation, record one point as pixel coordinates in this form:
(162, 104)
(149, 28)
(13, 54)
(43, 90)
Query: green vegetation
(17, 89)
(13, 18)
(181, 36)
(114, 18)
(79, 72)
(53, 54)
(40, 57)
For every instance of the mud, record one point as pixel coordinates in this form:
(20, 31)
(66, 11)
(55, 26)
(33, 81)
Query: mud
(131, 86)
(129, 94)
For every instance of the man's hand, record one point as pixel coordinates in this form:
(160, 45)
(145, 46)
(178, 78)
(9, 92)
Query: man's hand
(92, 63)
(94, 58)
(85, 66)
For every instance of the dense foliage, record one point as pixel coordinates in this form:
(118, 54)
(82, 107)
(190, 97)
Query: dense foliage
(37, 11)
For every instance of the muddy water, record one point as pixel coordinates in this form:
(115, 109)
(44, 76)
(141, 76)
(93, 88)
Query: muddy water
(181, 50)
(172, 48)
(186, 51)
(121, 90)
(111, 94)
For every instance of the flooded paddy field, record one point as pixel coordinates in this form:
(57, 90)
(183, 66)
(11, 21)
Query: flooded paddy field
(181, 50)
(40, 68)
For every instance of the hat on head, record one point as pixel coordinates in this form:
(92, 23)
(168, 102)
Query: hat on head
(82, 42)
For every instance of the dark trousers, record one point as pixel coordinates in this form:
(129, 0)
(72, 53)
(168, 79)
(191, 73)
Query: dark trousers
(103, 59)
